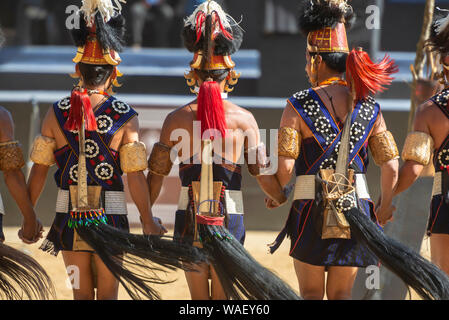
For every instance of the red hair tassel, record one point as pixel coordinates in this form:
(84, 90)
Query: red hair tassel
(211, 112)
(366, 76)
(79, 105)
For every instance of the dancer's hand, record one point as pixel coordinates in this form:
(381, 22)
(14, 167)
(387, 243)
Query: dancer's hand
(154, 228)
(271, 204)
(31, 231)
(385, 214)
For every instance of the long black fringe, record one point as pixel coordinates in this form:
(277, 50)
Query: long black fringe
(135, 260)
(417, 272)
(240, 274)
(22, 277)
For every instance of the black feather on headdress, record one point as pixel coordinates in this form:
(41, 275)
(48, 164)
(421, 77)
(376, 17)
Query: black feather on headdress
(318, 14)
(439, 33)
(110, 35)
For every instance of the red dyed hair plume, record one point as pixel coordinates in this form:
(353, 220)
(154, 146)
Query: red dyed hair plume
(200, 24)
(366, 76)
(80, 106)
(210, 109)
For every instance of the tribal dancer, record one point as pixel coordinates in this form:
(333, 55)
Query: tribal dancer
(428, 142)
(325, 134)
(93, 138)
(213, 37)
(20, 275)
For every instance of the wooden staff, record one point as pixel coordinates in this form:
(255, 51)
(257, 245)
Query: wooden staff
(417, 68)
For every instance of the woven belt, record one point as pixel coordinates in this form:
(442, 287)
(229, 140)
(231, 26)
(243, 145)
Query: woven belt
(437, 184)
(233, 200)
(114, 202)
(305, 187)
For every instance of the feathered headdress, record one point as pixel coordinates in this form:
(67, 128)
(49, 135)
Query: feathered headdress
(210, 33)
(325, 22)
(99, 39)
(439, 33)
(213, 36)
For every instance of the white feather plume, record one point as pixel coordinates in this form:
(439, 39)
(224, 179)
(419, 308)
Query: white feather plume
(208, 7)
(106, 8)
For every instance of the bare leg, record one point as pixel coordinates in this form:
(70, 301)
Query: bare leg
(199, 282)
(107, 284)
(311, 280)
(83, 287)
(340, 281)
(216, 287)
(439, 252)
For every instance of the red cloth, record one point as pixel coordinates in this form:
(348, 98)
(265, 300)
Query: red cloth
(210, 221)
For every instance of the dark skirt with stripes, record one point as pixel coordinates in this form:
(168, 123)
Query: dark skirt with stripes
(304, 229)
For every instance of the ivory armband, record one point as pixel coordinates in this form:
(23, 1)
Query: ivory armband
(418, 147)
(43, 151)
(256, 159)
(289, 142)
(133, 157)
(383, 148)
(11, 156)
(159, 162)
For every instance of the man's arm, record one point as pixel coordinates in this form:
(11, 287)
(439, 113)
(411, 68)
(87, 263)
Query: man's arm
(257, 161)
(412, 169)
(289, 145)
(160, 162)
(15, 180)
(286, 163)
(137, 184)
(385, 153)
(42, 156)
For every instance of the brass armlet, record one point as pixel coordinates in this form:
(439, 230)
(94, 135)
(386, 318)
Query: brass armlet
(159, 162)
(11, 156)
(256, 159)
(43, 151)
(133, 157)
(418, 147)
(289, 142)
(383, 148)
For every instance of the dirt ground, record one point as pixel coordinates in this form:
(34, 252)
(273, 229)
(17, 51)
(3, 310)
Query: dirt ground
(256, 244)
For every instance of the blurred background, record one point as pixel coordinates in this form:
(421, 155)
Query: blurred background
(35, 64)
